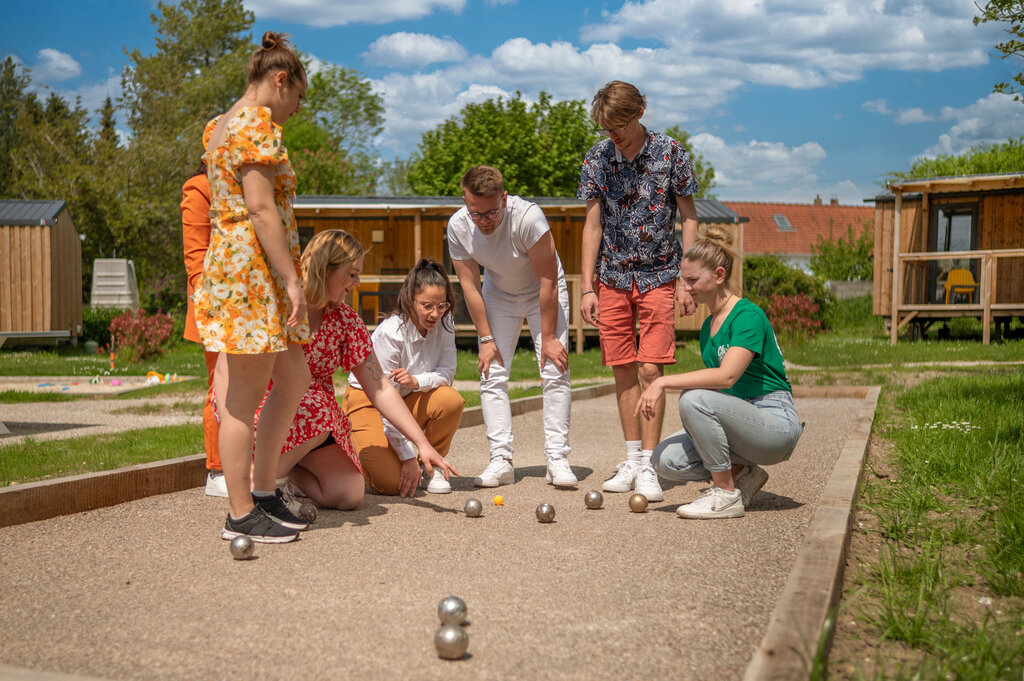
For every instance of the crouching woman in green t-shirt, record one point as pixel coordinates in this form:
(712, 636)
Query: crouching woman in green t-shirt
(738, 413)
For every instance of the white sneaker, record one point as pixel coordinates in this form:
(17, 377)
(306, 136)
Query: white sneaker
(647, 483)
(625, 476)
(715, 503)
(498, 472)
(560, 474)
(437, 484)
(750, 481)
(216, 486)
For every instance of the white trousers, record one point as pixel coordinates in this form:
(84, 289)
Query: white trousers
(505, 315)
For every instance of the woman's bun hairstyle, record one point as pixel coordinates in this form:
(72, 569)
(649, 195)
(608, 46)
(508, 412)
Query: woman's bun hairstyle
(275, 55)
(713, 249)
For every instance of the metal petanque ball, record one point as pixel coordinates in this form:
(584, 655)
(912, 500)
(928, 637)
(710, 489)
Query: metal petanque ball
(308, 513)
(451, 641)
(593, 499)
(638, 503)
(473, 508)
(242, 547)
(452, 610)
(546, 513)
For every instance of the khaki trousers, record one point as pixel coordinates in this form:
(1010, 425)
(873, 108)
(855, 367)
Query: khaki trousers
(438, 413)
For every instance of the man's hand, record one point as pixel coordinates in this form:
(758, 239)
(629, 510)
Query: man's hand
(409, 478)
(403, 378)
(553, 350)
(431, 460)
(488, 353)
(686, 305)
(589, 308)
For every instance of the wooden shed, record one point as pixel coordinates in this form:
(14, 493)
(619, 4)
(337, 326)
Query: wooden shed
(960, 251)
(397, 231)
(40, 272)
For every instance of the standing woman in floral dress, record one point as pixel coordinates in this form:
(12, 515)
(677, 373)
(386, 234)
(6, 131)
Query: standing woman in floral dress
(250, 305)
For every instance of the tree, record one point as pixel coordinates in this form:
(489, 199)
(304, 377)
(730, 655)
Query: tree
(1011, 12)
(14, 80)
(701, 168)
(539, 148)
(849, 258)
(1006, 157)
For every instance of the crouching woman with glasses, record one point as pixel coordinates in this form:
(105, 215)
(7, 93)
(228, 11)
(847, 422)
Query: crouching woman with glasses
(415, 347)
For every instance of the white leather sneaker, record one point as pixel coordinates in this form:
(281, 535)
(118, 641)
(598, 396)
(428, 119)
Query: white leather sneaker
(498, 472)
(647, 483)
(625, 476)
(714, 503)
(216, 486)
(750, 481)
(560, 473)
(437, 484)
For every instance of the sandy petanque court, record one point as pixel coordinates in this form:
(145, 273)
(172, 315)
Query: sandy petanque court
(148, 590)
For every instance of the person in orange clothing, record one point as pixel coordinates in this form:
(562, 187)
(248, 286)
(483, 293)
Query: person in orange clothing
(195, 232)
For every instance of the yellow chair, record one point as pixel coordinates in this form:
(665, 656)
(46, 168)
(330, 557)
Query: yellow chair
(960, 282)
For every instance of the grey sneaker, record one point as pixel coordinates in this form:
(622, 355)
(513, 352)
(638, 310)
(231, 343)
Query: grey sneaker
(258, 526)
(275, 508)
(498, 472)
(215, 484)
(560, 473)
(715, 503)
(647, 483)
(750, 481)
(290, 496)
(625, 476)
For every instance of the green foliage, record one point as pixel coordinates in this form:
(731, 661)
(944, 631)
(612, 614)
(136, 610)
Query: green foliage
(139, 336)
(538, 148)
(847, 258)
(766, 275)
(96, 323)
(795, 318)
(1006, 157)
(701, 168)
(1010, 12)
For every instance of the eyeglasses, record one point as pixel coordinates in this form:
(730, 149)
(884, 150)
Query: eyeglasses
(489, 214)
(608, 132)
(430, 307)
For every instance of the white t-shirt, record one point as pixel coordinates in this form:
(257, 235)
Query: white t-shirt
(503, 252)
(429, 359)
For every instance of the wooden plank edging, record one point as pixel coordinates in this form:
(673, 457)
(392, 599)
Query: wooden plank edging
(45, 499)
(813, 587)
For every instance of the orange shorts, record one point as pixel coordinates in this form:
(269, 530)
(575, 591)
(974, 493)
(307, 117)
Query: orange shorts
(619, 314)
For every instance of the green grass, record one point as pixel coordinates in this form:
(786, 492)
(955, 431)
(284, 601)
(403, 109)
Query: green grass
(184, 359)
(951, 518)
(15, 396)
(43, 459)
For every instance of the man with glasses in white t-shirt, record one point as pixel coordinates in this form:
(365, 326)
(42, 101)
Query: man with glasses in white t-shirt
(523, 279)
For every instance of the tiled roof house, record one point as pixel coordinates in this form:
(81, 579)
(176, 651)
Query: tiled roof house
(790, 229)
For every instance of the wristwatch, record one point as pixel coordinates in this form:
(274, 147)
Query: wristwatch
(486, 339)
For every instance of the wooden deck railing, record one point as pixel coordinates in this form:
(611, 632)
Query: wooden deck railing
(377, 293)
(903, 313)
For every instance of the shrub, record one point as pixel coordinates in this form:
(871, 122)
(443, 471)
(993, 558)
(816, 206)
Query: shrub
(849, 258)
(96, 323)
(795, 318)
(766, 275)
(139, 336)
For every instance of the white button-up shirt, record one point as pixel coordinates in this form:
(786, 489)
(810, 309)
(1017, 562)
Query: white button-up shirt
(429, 359)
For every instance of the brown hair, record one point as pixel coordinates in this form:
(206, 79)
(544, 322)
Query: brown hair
(483, 181)
(616, 104)
(713, 249)
(427, 272)
(326, 251)
(274, 55)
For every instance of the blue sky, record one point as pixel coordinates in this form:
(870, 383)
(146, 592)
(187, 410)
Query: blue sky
(787, 99)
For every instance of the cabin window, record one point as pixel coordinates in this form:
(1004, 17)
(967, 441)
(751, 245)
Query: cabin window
(783, 223)
(954, 227)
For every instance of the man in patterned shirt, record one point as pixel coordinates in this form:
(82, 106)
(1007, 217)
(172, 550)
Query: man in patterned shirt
(634, 182)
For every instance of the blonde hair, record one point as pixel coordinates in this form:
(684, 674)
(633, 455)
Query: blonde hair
(326, 251)
(616, 104)
(483, 181)
(713, 249)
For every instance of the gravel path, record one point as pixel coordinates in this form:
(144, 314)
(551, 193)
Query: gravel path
(147, 590)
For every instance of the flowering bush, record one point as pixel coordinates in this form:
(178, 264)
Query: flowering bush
(139, 336)
(794, 317)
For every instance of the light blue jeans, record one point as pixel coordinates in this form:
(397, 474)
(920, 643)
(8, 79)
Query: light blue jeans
(720, 430)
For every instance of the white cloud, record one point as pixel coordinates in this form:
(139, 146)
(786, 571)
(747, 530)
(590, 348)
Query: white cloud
(876, 106)
(54, 66)
(995, 118)
(413, 49)
(494, 3)
(321, 13)
(913, 115)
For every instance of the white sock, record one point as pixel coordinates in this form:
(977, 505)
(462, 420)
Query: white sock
(645, 457)
(633, 450)
(263, 495)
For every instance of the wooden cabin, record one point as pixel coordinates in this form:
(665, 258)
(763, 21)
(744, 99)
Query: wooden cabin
(397, 231)
(960, 252)
(40, 273)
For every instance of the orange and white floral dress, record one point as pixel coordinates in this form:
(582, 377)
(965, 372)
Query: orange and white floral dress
(241, 302)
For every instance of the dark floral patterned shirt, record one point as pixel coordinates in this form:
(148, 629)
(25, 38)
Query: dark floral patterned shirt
(638, 210)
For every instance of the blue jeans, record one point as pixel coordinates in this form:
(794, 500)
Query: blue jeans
(720, 430)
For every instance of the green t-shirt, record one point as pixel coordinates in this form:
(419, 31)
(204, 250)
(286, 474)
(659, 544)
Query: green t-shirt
(748, 327)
